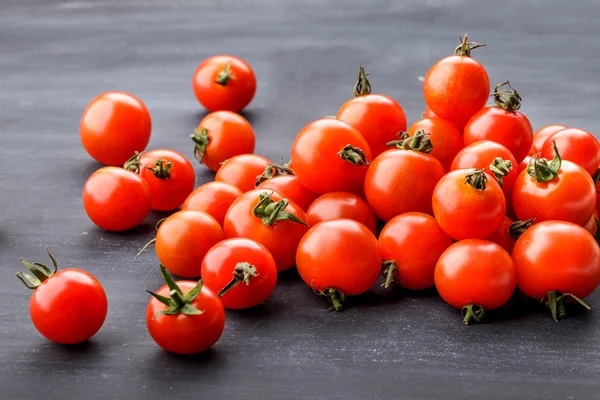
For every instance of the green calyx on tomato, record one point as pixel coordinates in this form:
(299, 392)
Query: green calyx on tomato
(177, 302)
(419, 142)
(388, 270)
(555, 301)
(542, 170)
(161, 169)
(354, 155)
(243, 272)
(507, 99)
(272, 171)
(335, 297)
(472, 312)
(133, 164)
(476, 179)
(465, 47)
(500, 168)
(362, 86)
(201, 140)
(225, 75)
(270, 212)
(158, 224)
(40, 271)
(518, 228)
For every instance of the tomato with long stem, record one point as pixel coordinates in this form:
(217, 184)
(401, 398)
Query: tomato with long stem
(447, 141)
(337, 205)
(242, 171)
(575, 145)
(214, 198)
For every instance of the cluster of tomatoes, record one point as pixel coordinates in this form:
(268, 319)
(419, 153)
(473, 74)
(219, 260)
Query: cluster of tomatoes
(468, 200)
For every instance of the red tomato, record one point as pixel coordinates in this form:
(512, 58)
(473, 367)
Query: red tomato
(475, 275)
(214, 198)
(468, 204)
(169, 175)
(67, 306)
(224, 82)
(411, 245)
(116, 199)
(291, 188)
(539, 138)
(446, 140)
(348, 265)
(508, 232)
(220, 136)
(592, 225)
(430, 114)
(557, 260)
(241, 171)
(336, 205)
(524, 164)
(330, 156)
(271, 220)
(114, 126)
(242, 270)
(184, 317)
(456, 87)
(183, 239)
(575, 145)
(481, 155)
(502, 124)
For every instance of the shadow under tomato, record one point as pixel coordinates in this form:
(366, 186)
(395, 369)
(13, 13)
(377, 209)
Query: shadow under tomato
(288, 276)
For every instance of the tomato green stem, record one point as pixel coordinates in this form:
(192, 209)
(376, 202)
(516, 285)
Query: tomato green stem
(388, 270)
(500, 168)
(336, 298)
(161, 169)
(273, 170)
(362, 86)
(476, 179)
(40, 272)
(133, 164)
(541, 170)
(144, 248)
(201, 141)
(555, 301)
(465, 47)
(225, 75)
(354, 155)
(472, 312)
(243, 272)
(507, 99)
(518, 228)
(177, 302)
(270, 212)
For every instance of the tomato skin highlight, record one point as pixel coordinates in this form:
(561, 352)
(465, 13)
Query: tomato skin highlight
(116, 199)
(350, 262)
(114, 126)
(220, 261)
(241, 171)
(575, 145)
(235, 95)
(291, 188)
(377, 117)
(336, 205)
(214, 198)
(415, 242)
(187, 334)
(541, 135)
(447, 141)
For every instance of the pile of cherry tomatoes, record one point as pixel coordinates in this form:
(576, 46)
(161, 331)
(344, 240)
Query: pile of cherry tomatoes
(468, 199)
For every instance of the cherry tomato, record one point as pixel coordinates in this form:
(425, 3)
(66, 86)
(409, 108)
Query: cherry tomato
(184, 317)
(556, 260)
(337, 205)
(524, 164)
(410, 245)
(214, 198)
(542, 134)
(458, 86)
(592, 225)
(220, 136)
(446, 140)
(169, 175)
(348, 265)
(468, 204)
(67, 306)
(242, 270)
(184, 238)
(475, 275)
(508, 232)
(224, 82)
(270, 219)
(114, 126)
(430, 114)
(575, 145)
(241, 171)
(330, 156)
(116, 199)
(291, 188)
(483, 155)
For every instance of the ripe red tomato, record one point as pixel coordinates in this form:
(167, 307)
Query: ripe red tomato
(592, 225)
(411, 245)
(430, 114)
(575, 145)
(184, 238)
(224, 82)
(291, 188)
(446, 90)
(482, 155)
(241, 171)
(116, 199)
(502, 236)
(524, 164)
(468, 204)
(557, 260)
(220, 136)
(446, 140)
(242, 270)
(184, 317)
(270, 219)
(330, 156)
(214, 198)
(114, 126)
(502, 124)
(348, 265)
(337, 205)
(542, 134)
(67, 306)
(475, 275)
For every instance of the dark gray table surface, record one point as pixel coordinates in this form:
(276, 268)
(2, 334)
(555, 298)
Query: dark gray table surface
(56, 56)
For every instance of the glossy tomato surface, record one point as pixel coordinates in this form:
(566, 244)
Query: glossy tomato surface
(337, 205)
(241, 171)
(214, 198)
(447, 141)
(541, 135)
(291, 188)
(576, 145)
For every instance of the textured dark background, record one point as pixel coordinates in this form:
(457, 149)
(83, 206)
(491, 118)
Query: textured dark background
(56, 56)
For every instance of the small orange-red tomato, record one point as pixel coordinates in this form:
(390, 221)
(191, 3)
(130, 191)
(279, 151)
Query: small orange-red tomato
(539, 137)
(337, 205)
(224, 82)
(576, 145)
(220, 136)
(291, 188)
(524, 164)
(241, 171)
(592, 226)
(411, 245)
(114, 126)
(502, 235)
(116, 199)
(446, 140)
(214, 198)
(430, 114)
